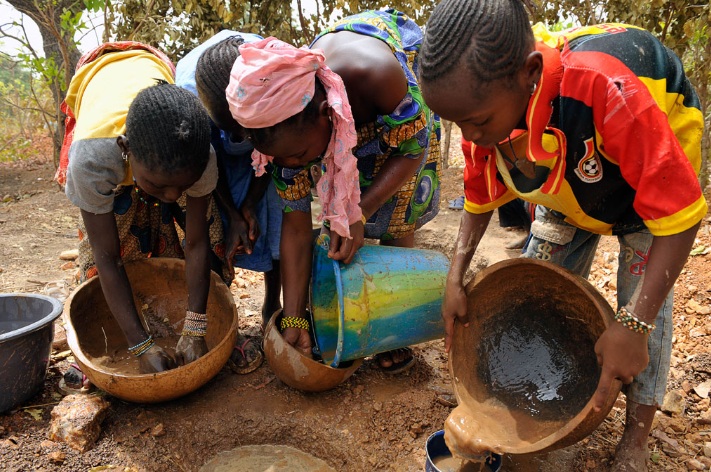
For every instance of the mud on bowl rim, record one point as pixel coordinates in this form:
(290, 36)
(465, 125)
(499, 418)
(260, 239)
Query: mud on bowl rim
(37, 325)
(204, 368)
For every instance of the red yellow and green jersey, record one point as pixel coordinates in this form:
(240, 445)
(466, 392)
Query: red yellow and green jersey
(614, 128)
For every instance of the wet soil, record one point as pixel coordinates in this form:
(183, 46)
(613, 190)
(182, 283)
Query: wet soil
(371, 422)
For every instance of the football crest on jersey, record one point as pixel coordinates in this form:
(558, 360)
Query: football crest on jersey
(589, 168)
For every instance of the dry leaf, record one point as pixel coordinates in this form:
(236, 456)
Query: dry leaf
(36, 413)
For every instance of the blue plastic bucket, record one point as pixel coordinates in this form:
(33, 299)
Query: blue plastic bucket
(386, 298)
(437, 450)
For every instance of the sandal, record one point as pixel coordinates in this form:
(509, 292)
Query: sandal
(74, 381)
(246, 357)
(396, 367)
(457, 203)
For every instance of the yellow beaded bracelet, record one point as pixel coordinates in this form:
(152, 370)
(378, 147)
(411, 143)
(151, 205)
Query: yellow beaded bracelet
(294, 322)
(629, 320)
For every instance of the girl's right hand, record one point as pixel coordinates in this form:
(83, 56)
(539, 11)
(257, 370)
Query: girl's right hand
(299, 338)
(453, 308)
(156, 360)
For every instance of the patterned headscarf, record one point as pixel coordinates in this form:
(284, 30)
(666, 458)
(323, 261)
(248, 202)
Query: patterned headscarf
(272, 81)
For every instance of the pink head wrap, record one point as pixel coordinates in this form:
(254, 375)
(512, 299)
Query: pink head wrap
(272, 81)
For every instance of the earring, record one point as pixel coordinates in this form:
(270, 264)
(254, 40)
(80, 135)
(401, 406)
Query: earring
(124, 156)
(533, 88)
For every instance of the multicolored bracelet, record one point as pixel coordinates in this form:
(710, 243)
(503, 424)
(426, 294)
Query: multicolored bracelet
(629, 320)
(294, 322)
(195, 324)
(141, 348)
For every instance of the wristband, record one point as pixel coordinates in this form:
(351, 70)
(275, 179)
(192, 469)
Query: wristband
(294, 322)
(195, 324)
(141, 348)
(629, 320)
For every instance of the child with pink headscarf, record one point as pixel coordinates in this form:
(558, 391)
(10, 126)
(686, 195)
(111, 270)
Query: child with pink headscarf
(349, 105)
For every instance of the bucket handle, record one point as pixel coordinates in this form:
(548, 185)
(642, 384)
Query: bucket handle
(341, 314)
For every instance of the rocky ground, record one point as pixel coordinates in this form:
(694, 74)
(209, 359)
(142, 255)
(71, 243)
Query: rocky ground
(370, 422)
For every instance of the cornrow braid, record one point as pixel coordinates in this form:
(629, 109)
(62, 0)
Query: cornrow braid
(492, 37)
(212, 73)
(168, 129)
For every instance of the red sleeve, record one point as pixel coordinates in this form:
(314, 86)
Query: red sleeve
(483, 191)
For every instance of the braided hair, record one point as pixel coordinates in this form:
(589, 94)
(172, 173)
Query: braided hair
(168, 129)
(212, 74)
(492, 37)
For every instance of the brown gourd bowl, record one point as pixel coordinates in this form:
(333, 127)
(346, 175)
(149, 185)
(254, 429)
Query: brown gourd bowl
(521, 290)
(297, 370)
(160, 283)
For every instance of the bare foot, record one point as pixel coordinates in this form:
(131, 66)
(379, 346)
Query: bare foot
(629, 458)
(395, 361)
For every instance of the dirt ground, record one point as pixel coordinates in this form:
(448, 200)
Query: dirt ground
(370, 422)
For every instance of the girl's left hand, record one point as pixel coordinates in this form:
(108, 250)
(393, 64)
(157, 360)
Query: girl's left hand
(190, 348)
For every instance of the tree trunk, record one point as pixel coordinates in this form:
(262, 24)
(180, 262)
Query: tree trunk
(59, 46)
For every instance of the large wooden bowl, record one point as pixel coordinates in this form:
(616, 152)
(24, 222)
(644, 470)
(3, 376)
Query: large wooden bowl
(524, 370)
(295, 369)
(158, 283)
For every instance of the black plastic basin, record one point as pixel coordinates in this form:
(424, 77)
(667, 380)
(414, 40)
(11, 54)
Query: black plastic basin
(26, 333)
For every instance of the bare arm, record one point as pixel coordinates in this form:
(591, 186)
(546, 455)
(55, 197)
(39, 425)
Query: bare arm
(257, 187)
(105, 246)
(471, 230)
(236, 238)
(296, 251)
(621, 351)
(197, 272)
(197, 253)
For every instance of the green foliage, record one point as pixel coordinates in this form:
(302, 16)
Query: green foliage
(21, 120)
(178, 26)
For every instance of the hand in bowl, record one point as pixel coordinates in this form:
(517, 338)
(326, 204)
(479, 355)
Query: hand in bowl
(156, 359)
(190, 348)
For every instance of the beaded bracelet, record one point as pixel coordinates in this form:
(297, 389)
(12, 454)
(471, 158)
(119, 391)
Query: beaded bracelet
(141, 348)
(294, 322)
(630, 321)
(195, 324)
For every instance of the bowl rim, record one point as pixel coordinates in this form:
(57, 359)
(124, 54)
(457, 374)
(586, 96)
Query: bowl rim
(56, 311)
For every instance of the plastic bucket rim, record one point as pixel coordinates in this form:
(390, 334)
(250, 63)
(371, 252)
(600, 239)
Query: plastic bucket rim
(56, 311)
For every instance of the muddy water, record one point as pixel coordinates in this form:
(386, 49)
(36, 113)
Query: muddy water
(267, 458)
(122, 362)
(538, 363)
(450, 463)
